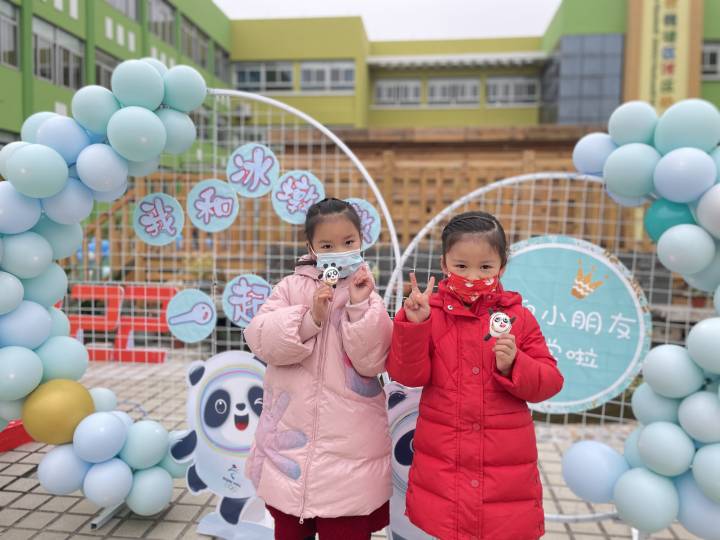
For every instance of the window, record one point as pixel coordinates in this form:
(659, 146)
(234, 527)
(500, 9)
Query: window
(194, 43)
(162, 20)
(8, 34)
(397, 92)
(327, 76)
(264, 76)
(58, 56)
(711, 61)
(453, 92)
(104, 66)
(504, 91)
(222, 64)
(128, 8)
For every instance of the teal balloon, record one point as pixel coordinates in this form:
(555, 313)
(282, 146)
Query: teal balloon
(185, 88)
(649, 407)
(11, 410)
(699, 416)
(30, 126)
(633, 122)
(670, 372)
(63, 357)
(27, 255)
(703, 344)
(146, 445)
(7, 151)
(716, 300)
(683, 175)
(136, 133)
(157, 64)
(143, 168)
(61, 471)
(48, 288)
(137, 83)
(629, 202)
(645, 500)
(591, 153)
(64, 240)
(180, 130)
(708, 279)
(151, 492)
(663, 214)
(20, 372)
(691, 123)
(631, 453)
(101, 168)
(72, 205)
(64, 135)
(12, 292)
(92, 107)
(18, 212)
(628, 171)
(698, 514)
(686, 249)
(708, 209)
(60, 325)
(706, 471)
(107, 484)
(114, 195)
(26, 326)
(104, 399)
(590, 470)
(124, 417)
(99, 437)
(176, 470)
(666, 449)
(37, 171)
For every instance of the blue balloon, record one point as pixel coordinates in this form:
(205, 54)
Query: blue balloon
(590, 470)
(686, 249)
(137, 83)
(37, 171)
(63, 357)
(26, 326)
(32, 123)
(107, 484)
(691, 122)
(18, 213)
(104, 399)
(628, 171)
(699, 416)
(698, 514)
(703, 344)
(136, 133)
(20, 372)
(708, 211)
(185, 88)
(143, 168)
(151, 491)
(157, 64)
(124, 417)
(645, 500)
(92, 107)
(631, 453)
(27, 255)
(716, 300)
(7, 151)
(100, 168)
(180, 130)
(99, 437)
(64, 240)
(72, 205)
(12, 292)
(708, 279)
(146, 446)
(591, 153)
(666, 449)
(60, 323)
(64, 135)
(706, 471)
(111, 196)
(670, 372)
(683, 175)
(61, 472)
(629, 202)
(48, 288)
(11, 410)
(633, 122)
(649, 407)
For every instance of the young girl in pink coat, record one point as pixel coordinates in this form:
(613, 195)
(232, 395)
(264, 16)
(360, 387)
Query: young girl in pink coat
(321, 459)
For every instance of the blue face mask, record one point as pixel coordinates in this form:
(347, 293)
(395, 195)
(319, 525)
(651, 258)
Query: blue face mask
(335, 266)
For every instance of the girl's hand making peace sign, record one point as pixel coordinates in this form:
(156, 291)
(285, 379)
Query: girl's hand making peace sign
(417, 305)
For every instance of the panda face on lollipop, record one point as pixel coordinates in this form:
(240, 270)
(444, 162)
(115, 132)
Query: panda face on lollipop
(500, 324)
(331, 275)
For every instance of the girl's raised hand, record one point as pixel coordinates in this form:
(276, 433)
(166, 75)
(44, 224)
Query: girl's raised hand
(361, 286)
(417, 305)
(321, 304)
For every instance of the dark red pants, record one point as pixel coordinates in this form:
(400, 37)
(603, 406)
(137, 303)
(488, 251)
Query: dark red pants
(288, 527)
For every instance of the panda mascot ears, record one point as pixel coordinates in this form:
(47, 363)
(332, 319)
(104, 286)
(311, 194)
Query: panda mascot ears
(195, 372)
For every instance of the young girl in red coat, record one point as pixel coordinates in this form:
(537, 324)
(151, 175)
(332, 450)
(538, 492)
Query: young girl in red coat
(480, 356)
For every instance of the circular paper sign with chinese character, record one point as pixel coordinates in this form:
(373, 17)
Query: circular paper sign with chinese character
(191, 316)
(594, 316)
(243, 297)
(212, 205)
(369, 221)
(294, 194)
(252, 170)
(158, 219)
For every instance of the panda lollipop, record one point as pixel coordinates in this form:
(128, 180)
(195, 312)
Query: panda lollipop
(330, 275)
(500, 324)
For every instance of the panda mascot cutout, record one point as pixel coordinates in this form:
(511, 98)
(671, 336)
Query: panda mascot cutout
(225, 397)
(402, 405)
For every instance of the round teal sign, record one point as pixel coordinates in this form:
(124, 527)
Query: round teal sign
(594, 316)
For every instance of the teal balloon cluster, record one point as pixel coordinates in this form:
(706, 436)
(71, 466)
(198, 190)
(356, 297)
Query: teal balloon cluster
(671, 164)
(670, 469)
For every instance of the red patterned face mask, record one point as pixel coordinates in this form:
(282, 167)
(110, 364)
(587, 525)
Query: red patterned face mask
(468, 290)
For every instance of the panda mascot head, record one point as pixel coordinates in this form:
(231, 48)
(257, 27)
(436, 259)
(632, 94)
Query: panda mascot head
(402, 406)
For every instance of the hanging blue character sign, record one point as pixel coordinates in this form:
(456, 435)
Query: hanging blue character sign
(158, 219)
(294, 194)
(369, 221)
(191, 316)
(252, 170)
(212, 205)
(243, 297)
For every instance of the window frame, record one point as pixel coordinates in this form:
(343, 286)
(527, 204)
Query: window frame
(511, 84)
(710, 48)
(261, 69)
(194, 43)
(322, 79)
(8, 10)
(67, 55)
(393, 88)
(163, 28)
(104, 65)
(470, 85)
(129, 8)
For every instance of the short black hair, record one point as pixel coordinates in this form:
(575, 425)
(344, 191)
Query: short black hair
(320, 210)
(480, 223)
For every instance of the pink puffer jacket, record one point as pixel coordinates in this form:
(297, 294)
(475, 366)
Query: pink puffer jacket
(322, 447)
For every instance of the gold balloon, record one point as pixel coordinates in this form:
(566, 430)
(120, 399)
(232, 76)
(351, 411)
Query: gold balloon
(52, 412)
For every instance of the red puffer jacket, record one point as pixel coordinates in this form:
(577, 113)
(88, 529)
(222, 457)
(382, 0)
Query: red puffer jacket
(474, 474)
